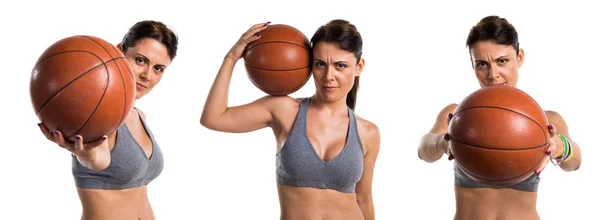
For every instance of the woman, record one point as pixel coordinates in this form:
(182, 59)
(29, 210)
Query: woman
(111, 174)
(495, 56)
(318, 176)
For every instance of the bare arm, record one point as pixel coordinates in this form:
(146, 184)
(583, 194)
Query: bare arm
(433, 146)
(561, 127)
(218, 115)
(94, 155)
(363, 187)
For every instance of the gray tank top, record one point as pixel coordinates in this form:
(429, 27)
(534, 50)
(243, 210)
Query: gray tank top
(129, 167)
(461, 179)
(298, 164)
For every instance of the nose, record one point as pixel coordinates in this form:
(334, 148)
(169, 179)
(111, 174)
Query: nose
(329, 73)
(145, 74)
(493, 72)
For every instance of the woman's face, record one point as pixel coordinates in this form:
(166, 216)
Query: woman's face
(334, 71)
(496, 64)
(148, 59)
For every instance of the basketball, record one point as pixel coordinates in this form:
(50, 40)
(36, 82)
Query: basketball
(498, 135)
(280, 61)
(82, 85)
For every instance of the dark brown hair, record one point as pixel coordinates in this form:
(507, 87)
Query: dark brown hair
(347, 37)
(496, 29)
(151, 29)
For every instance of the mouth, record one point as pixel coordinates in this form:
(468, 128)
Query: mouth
(140, 86)
(497, 84)
(330, 88)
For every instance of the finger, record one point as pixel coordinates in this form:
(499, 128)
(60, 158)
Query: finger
(60, 140)
(552, 130)
(258, 25)
(46, 132)
(79, 143)
(544, 163)
(253, 31)
(96, 143)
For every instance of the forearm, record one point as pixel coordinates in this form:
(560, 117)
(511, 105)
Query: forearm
(429, 149)
(217, 101)
(98, 161)
(367, 208)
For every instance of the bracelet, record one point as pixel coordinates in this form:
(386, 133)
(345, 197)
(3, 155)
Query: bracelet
(570, 152)
(567, 147)
(566, 155)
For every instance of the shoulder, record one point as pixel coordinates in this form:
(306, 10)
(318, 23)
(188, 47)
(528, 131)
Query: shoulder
(141, 113)
(449, 108)
(369, 133)
(555, 119)
(279, 102)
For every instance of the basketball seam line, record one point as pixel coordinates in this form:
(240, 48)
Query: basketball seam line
(287, 91)
(510, 110)
(490, 148)
(278, 41)
(76, 78)
(97, 104)
(272, 70)
(122, 82)
(479, 177)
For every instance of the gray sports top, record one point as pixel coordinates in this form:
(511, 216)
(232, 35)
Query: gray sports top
(461, 179)
(298, 164)
(129, 167)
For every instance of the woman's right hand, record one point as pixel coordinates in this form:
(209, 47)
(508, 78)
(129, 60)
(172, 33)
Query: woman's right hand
(88, 152)
(237, 51)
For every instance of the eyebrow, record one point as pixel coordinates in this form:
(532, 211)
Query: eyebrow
(336, 62)
(500, 57)
(146, 59)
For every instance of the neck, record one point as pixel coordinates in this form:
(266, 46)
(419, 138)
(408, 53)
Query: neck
(338, 107)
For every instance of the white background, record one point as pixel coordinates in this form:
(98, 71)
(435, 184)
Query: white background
(416, 63)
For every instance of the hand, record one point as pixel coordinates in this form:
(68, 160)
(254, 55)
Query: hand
(237, 51)
(445, 143)
(554, 150)
(85, 151)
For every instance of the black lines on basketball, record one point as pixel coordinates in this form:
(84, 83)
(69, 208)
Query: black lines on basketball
(278, 41)
(123, 113)
(99, 101)
(495, 148)
(505, 109)
(272, 70)
(75, 79)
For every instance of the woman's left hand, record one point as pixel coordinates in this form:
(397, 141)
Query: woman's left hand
(555, 149)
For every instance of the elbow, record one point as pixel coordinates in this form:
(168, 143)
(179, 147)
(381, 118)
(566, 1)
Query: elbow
(364, 200)
(423, 156)
(203, 121)
(99, 165)
(206, 122)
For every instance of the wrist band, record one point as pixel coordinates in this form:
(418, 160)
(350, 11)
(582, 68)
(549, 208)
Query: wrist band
(566, 155)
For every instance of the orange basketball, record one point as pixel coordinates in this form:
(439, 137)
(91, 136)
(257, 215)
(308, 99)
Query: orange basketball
(499, 135)
(82, 85)
(280, 61)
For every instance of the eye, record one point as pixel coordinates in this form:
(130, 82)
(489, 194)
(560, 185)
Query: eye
(503, 61)
(319, 64)
(140, 60)
(342, 66)
(480, 64)
(159, 69)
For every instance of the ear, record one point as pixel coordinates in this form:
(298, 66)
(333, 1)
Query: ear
(360, 66)
(120, 47)
(520, 57)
